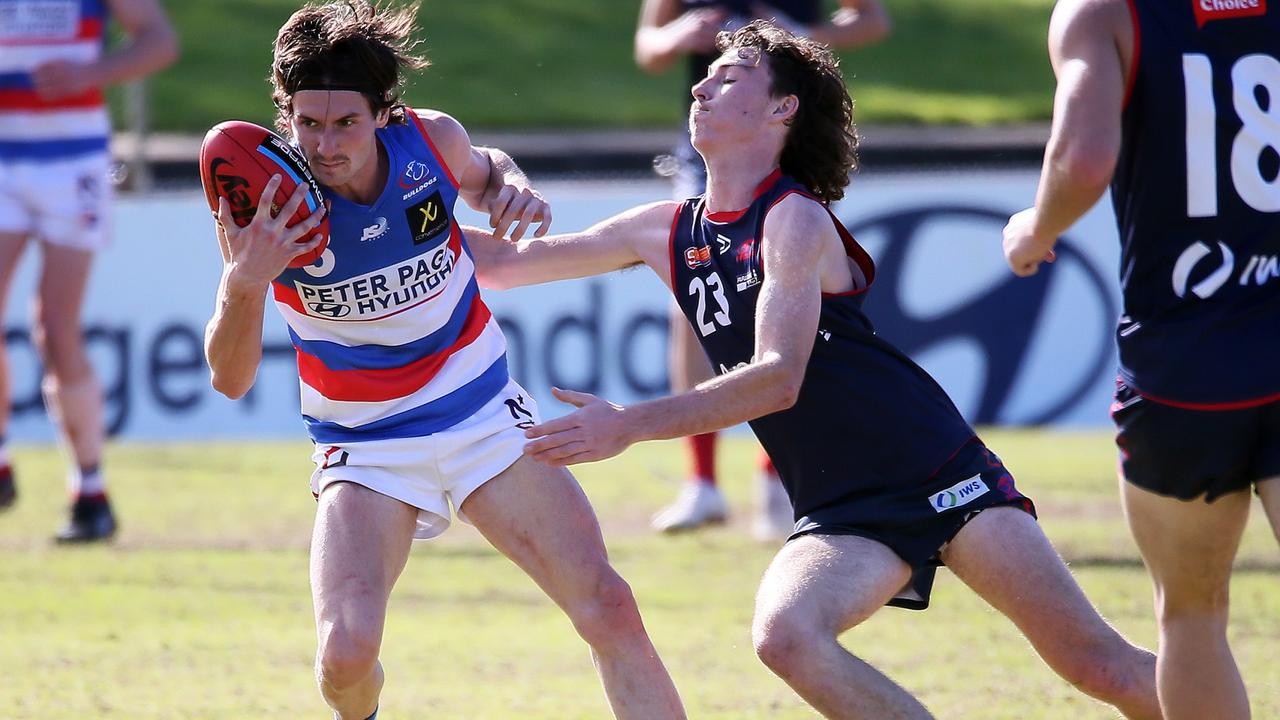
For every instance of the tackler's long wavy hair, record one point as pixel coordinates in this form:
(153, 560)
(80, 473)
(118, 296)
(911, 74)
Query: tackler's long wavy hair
(822, 145)
(346, 45)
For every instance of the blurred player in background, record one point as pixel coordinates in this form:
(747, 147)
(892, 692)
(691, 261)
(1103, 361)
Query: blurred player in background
(669, 30)
(886, 479)
(1177, 106)
(54, 132)
(405, 389)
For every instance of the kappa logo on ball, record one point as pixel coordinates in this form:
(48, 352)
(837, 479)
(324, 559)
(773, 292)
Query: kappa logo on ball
(962, 493)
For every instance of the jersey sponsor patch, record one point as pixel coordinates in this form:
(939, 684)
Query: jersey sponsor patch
(427, 218)
(962, 493)
(696, 257)
(1207, 10)
(383, 292)
(45, 19)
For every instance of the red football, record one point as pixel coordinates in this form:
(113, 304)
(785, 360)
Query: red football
(237, 159)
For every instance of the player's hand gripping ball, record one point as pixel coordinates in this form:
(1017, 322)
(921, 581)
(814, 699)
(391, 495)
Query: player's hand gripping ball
(237, 159)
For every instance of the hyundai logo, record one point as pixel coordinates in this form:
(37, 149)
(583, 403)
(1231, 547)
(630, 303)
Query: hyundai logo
(331, 310)
(942, 290)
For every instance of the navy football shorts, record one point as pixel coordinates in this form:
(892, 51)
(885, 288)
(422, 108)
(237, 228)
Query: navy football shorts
(1189, 454)
(919, 521)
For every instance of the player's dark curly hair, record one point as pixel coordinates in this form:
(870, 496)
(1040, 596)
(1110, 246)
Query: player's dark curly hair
(347, 45)
(822, 145)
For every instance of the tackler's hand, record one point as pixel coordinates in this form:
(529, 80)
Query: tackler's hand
(595, 431)
(515, 208)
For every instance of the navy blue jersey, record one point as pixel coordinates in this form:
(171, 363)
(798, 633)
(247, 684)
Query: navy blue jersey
(868, 423)
(1197, 199)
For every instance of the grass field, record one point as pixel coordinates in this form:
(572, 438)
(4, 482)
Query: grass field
(201, 608)
(568, 63)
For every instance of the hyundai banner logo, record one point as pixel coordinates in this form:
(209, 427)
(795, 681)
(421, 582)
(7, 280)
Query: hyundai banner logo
(1006, 348)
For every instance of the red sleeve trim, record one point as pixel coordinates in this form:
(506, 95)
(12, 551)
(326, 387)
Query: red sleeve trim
(1137, 53)
(851, 247)
(417, 122)
(671, 243)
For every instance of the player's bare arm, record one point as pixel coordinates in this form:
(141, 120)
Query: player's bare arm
(488, 179)
(638, 235)
(251, 257)
(1084, 144)
(152, 45)
(665, 34)
(856, 24)
(797, 243)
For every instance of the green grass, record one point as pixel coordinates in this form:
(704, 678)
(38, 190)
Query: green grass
(568, 63)
(201, 608)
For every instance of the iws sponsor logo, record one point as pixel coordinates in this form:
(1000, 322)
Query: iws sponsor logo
(374, 231)
(1008, 350)
(1260, 270)
(427, 219)
(696, 257)
(962, 493)
(1207, 10)
(1188, 261)
(383, 292)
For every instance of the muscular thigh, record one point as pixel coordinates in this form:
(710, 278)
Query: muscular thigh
(538, 516)
(1188, 545)
(1004, 556)
(359, 546)
(835, 581)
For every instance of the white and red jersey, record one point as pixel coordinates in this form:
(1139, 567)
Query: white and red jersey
(392, 337)
(33, 32)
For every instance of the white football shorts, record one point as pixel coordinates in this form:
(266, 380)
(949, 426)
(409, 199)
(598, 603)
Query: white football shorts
(431, 472)
(64, 202)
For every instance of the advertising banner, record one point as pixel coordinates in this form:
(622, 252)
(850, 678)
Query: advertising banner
(1010, 351)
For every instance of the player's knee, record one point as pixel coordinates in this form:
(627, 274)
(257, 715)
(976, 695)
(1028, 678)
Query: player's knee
(1199, 605)
(62, 354)
(784, 639)
(609, 613)
(346, 656)
(1105, 666)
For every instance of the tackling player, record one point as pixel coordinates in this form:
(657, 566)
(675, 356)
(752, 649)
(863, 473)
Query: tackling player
(886, 479)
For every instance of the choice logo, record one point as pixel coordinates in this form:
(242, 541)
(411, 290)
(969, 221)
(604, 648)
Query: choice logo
(1188, 261)
(1207, 10)
(1008, 350)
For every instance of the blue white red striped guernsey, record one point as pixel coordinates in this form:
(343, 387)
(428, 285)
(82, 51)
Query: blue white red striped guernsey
(392, 336)
(33, 32)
